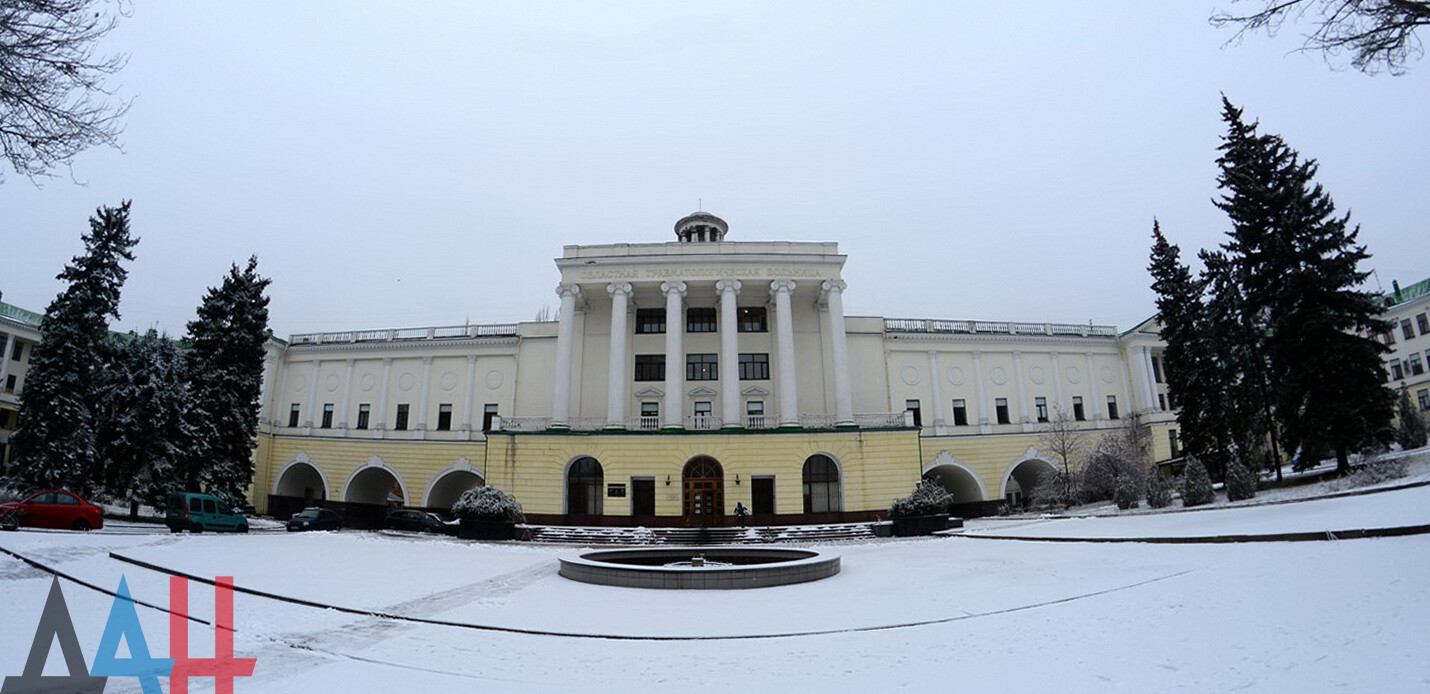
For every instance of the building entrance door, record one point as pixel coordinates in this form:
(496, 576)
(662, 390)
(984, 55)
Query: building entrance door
(704, 484)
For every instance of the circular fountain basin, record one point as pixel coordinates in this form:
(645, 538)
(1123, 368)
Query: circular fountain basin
(701, 568)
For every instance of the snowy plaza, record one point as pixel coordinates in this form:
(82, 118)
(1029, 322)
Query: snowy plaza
(957, 613)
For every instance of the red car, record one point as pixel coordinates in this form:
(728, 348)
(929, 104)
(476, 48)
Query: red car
(51, 508)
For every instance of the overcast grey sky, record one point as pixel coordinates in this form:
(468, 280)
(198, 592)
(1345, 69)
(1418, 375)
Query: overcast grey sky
(421, 166)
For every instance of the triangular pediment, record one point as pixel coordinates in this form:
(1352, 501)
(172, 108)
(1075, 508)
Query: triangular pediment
(755, 391)
(704, 392)
(650, 393)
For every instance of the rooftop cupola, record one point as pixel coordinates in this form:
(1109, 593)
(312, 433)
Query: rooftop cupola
(701, 227)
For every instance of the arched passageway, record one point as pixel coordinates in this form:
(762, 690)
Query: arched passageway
(375, 485)
(585, 487)
(958, 481)
(448, 488)
(1023, 478)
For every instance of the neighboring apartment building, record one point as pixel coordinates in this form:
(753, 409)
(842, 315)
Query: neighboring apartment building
(20, 332)
(683, 377)
(1408, 361)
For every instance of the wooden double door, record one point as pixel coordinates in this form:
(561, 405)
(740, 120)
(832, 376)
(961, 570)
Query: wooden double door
(703, 481)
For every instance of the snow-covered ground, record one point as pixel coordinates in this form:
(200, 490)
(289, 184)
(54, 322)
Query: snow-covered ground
(955, 613)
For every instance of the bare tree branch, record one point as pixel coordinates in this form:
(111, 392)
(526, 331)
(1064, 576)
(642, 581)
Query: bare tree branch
(1378, 34)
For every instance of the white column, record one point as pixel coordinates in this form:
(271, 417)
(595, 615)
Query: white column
(280, 408)
(616, 374)
(1149, 380)
(674, 354)
(940, 422)
(382, 398)
(1058, 385)
(983, 422)
(313, 386)
(5, 358)
(566, 319)
(347, 396)
(730, 413)
(1099, 406)
(839, 349)
(471, 393)
(784, 327)
(1023, 416)
(426, 395)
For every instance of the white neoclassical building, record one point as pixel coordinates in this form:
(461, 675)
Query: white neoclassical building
(683, 377)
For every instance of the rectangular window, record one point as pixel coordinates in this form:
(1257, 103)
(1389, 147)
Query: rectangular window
(1407, 329)
(10, 383)
(1162, 401)
(1423, 322)
(402, 411)
(4, 421)
(17, 351)
(960, 413)
(700, 320)
(327, 415)
(293, 413)
(1112, 407)
(444, 417)
(364, 412)
(1041, 405)
(914, 407)
(1413, 363)
(1001, 405)
(1172, 441)
(650, 367)
(701, 367)
(1423, 395)
(704, 418)
(754, 367)
(650, 415)
(755, 414)
(1078, 412)
(752, 319)
(1395, 374)
(1156, 369)
(650, 321)
(1388, 337)
(489, 415)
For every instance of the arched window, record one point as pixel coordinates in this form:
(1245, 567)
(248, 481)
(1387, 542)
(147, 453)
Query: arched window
(585, 484)
(821, 485)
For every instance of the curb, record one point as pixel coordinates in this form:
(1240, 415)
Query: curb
(1355, 534)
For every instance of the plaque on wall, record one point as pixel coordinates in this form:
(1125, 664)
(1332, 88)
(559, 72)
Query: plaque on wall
(615, 490)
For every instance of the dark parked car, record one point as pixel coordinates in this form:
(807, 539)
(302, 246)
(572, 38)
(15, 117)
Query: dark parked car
(415, 521)
(313, 518)
(51, 508)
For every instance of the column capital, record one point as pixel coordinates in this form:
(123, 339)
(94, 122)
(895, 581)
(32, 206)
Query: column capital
(728, 285)
(1017, 355)
(471, 358)
(565, 290)
(351, 362)
(668, 288)
(615, 288)
(833, 286)
(387, 361)
(426, 361)
(782, 287)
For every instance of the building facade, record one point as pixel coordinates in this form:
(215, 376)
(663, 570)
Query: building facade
(19, 333)
(1408, 359)
(682, 378)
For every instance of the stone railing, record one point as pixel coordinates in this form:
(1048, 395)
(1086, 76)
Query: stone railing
(928, 325)
(443, 332)
(877, 420)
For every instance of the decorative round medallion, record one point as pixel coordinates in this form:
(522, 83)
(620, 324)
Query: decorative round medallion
(1074, 375)
(1037, 375)
(300, 382)
(406, 381)
(367, 381)
(1106, 374)
(910, 375)
(330, 384)
(998, 375)
(494, 379)
(956, 375)
(448, 381)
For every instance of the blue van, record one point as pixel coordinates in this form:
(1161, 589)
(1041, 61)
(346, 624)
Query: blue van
(199, 512)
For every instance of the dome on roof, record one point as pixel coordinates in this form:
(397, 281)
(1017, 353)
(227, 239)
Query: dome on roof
(698, 227)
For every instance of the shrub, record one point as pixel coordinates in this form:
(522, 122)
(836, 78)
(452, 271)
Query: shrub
(487, 503)
(927, 499)
(1371, 474)
(1056, 490)
(1159, 489)
(1240, 482)
(11, 490)
(1127, 493)
(1196, 484)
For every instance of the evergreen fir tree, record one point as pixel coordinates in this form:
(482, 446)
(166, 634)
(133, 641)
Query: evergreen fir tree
(1410, 432)
(225, 373)
(1240, 481)
(1297, 267)
(54, 445)
(1196, 484)
(1159, 489)
(143, 433)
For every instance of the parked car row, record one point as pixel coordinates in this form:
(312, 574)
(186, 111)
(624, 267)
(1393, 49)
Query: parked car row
(51, 508)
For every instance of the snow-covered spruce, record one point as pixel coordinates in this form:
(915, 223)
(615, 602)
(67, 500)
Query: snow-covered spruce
(928, 498)
(1196, 484)
(487, 503)
(1240, 482)
(1159, 489)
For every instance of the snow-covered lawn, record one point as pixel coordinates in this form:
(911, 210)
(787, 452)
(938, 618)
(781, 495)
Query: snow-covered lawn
(1007, 616)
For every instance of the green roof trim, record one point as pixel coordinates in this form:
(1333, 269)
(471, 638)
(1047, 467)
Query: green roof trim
(1406, 294)
(21, 315)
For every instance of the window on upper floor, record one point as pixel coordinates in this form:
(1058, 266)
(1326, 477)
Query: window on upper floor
(650, 367)
(1078, 413)
(403, 410)
(293, 413)
(489, 415)
(701, 367)
(960, 413)
(1395, 373)
(1000, 408)
(915, 408)
(1423, 323)
(17, 351)
(1423, 395)
(444, 417)
(1112, 407)
(700, 320)
(1157, 369)
(364, 414)
(327, 415)
(754, 367)
(650, 321)
(1041, 406)
(752, 319)
(1413, 364)
(1407, 329)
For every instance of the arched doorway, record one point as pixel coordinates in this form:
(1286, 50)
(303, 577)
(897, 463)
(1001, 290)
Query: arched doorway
(585, 487)
(704, 483)
(958, 481)
(821, 485)
(1023, 478)
(448, 488)
(302, 481)
(375, 485)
